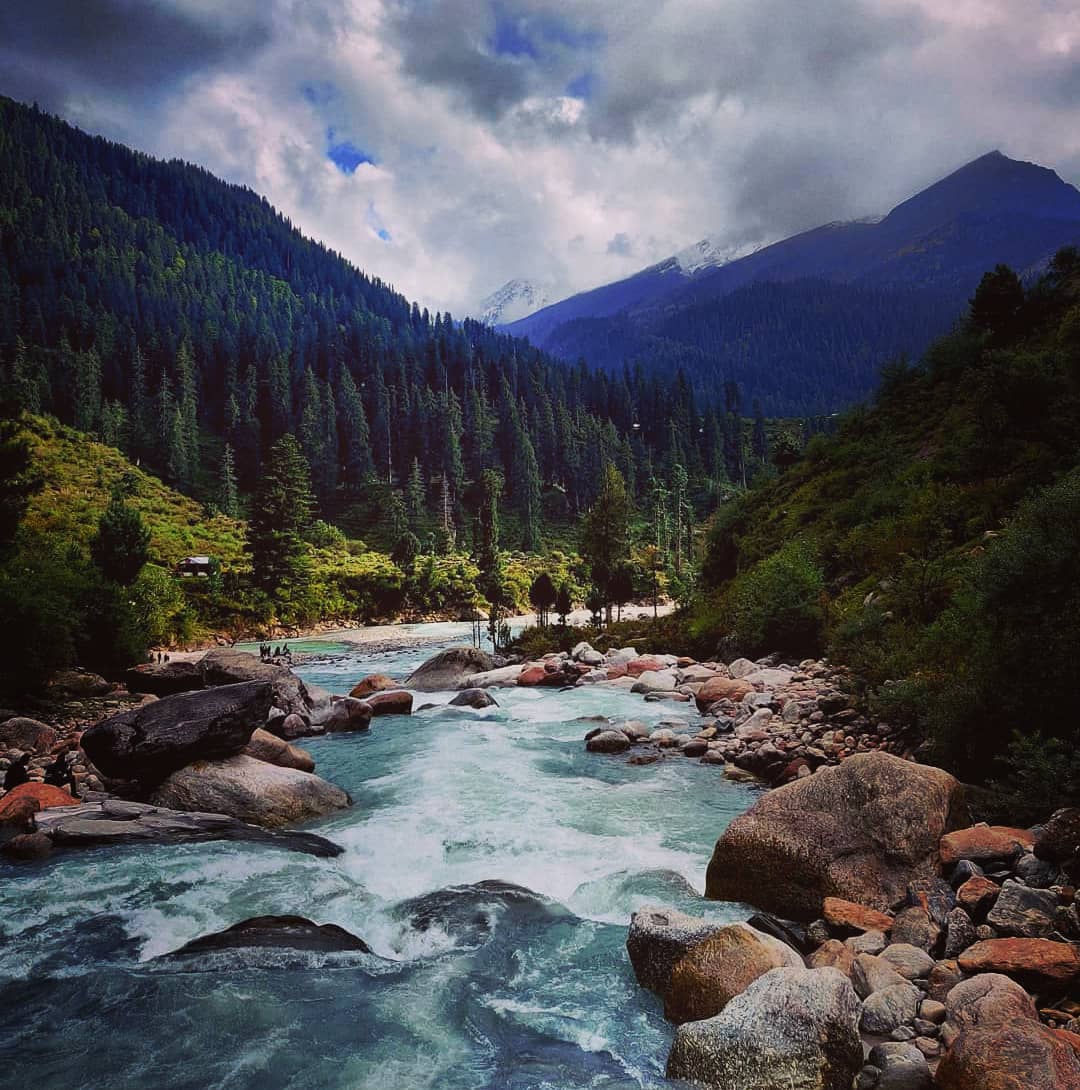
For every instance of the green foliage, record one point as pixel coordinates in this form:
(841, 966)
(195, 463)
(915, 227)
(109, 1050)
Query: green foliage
(542, 595)
(121, 545)
(778, 605)
(605, 532)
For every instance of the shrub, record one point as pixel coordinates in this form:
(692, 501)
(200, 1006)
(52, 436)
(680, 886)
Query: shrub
(779, 603)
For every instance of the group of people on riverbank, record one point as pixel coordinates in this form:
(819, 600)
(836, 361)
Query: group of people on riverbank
(275, 654)
(58, 774)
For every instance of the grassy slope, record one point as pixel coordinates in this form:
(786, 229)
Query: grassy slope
(80, 475)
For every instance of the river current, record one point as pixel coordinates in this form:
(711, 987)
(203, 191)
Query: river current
(490, 862)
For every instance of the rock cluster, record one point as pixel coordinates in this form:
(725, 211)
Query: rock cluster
(968, 980)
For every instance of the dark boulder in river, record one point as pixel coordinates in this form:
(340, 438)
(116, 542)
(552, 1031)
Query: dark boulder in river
(150, 742)
(277, 932)
(449, 669)
(164, 678)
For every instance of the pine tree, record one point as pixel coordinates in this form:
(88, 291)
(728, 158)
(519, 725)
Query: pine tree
(121, 545)
(605, 538)
(679, 480)
(415, 497)
(227, 498)
(564, 604)
(281, 512)
(542, 594)
(527, 491)
(354, 438)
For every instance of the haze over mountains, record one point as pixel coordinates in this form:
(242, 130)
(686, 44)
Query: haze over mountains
(805, 325)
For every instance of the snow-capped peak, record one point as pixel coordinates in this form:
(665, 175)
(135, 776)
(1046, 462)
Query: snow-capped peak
(515, 299)
(710, 253)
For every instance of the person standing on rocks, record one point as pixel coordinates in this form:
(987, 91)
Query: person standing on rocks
(60, 773)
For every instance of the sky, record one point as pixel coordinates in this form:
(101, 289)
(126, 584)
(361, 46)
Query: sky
(447, 146)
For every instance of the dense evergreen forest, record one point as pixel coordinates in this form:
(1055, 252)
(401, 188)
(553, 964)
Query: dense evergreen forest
(932, 543)
(186, 322)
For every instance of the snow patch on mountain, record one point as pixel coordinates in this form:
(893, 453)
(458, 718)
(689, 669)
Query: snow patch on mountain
(514, 300)
(712, 252)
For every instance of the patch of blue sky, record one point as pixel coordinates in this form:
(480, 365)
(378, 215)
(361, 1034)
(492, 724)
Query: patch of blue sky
(319, 92)
(344, 154)
(583, 86)
(374, 221)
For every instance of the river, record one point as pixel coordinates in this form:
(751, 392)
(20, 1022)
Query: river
(478, 983)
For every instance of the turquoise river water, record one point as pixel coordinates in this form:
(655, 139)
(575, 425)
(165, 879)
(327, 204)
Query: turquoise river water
(490, 862)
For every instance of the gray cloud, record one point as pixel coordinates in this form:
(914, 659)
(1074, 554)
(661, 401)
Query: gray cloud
(571, 144)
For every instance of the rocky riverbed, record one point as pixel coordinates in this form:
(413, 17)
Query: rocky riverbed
(891, 943)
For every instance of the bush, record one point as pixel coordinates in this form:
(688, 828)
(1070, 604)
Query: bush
(779, 603)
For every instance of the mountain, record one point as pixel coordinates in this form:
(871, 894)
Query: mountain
(514, 300)
(179, 318)
(804, 325)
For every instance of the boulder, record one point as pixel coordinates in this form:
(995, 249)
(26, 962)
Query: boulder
(608, 741)
(348, 714)
(934, 896)
(901, 1065)
(645, 665)
(1022, 911)
(449, 669)
(251, 790)
(959, 933)
(1021, 1055)
(17, 816)
(149, 742)
(941, 980)
(869, 942)
(988, 999)
(721, 688)
(832, 954)
(25, 847)
(1059, 839)
(976, 895)
(742, 667)
(164, 678)
(45, 795)
(861, 830)
(711, 973)
(398, 702)
(288, 727)
(28, 735)
(849, 916)
(796, 1028)
(504, 676)
(985, 844)
(1038, 964)
(224, 666)
(889, 1008)
(914, 926)
(276, 933)
(474, 698)
(655, 681)
(264, 746)
(909, 961)
(373, 683)
(658, 938)
(78, 683)
(870, 973)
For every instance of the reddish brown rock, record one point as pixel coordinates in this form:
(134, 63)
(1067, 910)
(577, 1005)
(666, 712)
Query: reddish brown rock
(265, 746)
(532, 675)
(941, 980)
(1038, 964)
(637, 667)
(977, 894)
(832, 954)
(398, 702)
(373, 683)
(1022, 1055)
(862, 830)
(44, 794)
(982, 843)
(28, 846)
(27, 735)
(854, 917)
(984, 1000)
(712, 972)
(722, 688)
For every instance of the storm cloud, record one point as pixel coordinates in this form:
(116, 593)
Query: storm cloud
(450, 145)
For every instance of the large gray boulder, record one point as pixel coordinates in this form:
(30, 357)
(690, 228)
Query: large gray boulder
(902, 1067)
(862, 831)
(251, 790)
(165, 678)
(116, 821)
(29, 735)
(149, 742)
(450, 669)
(658, 938)
(224, 666)
(277, 933)
(791, 1028)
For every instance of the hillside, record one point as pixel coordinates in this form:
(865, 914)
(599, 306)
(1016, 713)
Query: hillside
(931, 542)
(172, 315)
(815, 347)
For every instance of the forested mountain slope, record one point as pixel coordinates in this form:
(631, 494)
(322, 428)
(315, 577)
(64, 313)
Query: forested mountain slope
(931, 542)
(805, 325)
(185, 321)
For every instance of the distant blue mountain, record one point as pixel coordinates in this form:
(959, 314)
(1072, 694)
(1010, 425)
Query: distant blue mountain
(844, 297)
